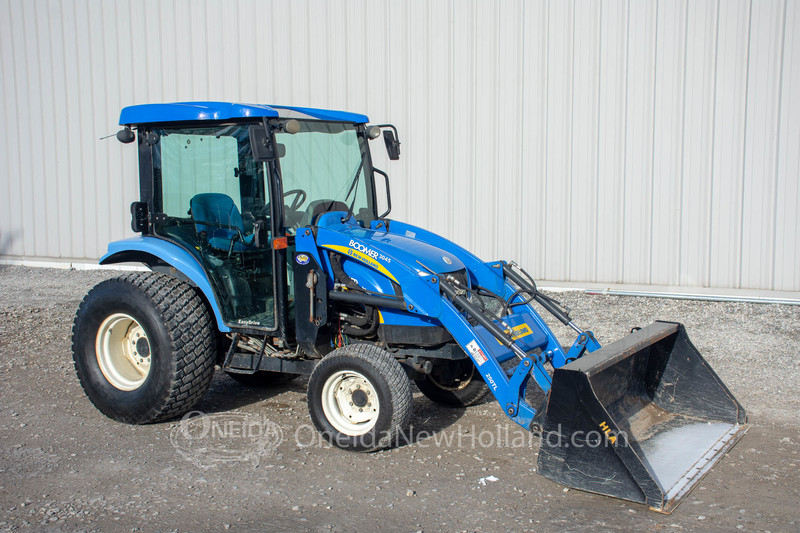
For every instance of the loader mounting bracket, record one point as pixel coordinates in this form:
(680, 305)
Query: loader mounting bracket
(585, 342)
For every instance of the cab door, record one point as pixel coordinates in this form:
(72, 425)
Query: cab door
(211, 197)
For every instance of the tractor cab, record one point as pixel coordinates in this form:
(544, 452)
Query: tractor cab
(231, 184)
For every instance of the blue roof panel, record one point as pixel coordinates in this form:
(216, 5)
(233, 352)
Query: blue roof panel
(185, 111)
(321, 114)
(189, 111)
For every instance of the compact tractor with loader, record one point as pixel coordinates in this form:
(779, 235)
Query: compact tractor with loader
(269, 257)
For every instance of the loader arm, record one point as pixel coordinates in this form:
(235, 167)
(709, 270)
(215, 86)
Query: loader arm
(642, 419)
(486, 339)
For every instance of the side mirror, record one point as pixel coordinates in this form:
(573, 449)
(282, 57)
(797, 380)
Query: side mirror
(392, 145)
(261, 144)
(126, 135)
(391, 139)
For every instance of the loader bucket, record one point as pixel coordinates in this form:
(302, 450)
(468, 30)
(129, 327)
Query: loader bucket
(642, 419)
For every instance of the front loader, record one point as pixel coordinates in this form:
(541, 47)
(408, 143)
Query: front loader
(270, 258)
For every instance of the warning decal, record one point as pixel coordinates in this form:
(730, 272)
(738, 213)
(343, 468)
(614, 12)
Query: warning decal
(477, 354)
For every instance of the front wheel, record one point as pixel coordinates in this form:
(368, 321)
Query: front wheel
(454, 383)
(359, 398)
(143, 346)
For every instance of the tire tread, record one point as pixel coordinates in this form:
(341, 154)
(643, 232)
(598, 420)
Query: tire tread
(192, 341)
(397, 380)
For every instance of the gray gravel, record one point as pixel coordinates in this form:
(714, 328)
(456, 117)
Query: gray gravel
(64, 466)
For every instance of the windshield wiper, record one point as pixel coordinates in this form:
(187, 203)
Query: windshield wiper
(352, 188)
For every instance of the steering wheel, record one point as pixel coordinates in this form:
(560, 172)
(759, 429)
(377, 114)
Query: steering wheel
(299, 199)
(292, 214)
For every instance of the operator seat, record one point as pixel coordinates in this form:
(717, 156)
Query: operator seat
(217, 215)
(318, 207)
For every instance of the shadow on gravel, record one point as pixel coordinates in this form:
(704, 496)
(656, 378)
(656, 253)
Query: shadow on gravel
(430, 419)
(226, 394)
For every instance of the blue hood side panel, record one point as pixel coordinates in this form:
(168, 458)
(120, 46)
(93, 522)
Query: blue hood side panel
(488, 275)
(415, 254)
(384, 256)
(398, 317)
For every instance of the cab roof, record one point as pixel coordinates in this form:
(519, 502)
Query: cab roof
(190, 111)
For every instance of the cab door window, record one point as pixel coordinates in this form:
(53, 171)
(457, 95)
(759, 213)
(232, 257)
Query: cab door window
(210, 197)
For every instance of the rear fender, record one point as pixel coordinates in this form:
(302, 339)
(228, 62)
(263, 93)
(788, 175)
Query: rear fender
(151, 250)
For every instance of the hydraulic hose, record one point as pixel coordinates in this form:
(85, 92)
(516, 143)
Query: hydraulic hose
(462, 303)
(548, 303)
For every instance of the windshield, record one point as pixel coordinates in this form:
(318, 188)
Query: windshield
(323, 169)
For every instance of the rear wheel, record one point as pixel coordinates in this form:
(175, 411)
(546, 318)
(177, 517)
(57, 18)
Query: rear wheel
(455, 383)
(143, 347)
(359, 398)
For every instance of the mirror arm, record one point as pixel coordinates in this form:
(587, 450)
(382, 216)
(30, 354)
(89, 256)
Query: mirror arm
(393, 128)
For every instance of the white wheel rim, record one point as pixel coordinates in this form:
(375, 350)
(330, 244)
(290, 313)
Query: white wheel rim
(123, 351)
(350, 403)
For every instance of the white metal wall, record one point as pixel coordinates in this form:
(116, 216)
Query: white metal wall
(615, 141)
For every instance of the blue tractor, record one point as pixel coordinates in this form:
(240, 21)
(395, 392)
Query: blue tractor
(269, 257)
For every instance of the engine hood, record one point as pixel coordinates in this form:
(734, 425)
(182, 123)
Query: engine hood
(385, 248)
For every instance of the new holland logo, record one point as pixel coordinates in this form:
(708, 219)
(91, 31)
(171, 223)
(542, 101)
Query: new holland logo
(517, 332)
(520, 331)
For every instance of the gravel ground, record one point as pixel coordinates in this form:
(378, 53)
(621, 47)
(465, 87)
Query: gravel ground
(63, 466)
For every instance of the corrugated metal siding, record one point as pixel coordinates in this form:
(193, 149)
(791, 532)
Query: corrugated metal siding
(614, 141)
